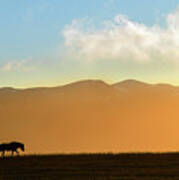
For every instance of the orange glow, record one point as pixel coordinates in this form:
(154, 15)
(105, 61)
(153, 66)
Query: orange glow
(91, 116)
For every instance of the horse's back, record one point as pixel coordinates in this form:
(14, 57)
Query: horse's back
(4, 146)
(15, 143)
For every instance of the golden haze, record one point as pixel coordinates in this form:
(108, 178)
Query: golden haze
(92, 116)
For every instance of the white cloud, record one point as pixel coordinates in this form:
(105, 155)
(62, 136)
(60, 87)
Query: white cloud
(17, 65)
(123, 39)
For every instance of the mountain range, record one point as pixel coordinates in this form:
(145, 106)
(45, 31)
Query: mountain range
(92, 116)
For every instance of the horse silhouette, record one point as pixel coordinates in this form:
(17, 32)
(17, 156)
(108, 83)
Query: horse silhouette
(13, 147)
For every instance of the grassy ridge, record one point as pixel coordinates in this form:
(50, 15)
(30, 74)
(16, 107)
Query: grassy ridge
(142, 166)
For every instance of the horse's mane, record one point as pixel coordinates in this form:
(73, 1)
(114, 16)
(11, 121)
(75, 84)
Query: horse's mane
(15, 142)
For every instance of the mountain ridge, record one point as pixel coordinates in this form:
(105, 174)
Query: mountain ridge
(128, 82)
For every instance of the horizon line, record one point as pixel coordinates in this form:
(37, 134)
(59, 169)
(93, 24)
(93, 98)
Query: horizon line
(85, 80)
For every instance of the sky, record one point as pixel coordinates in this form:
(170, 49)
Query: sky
(52, 42)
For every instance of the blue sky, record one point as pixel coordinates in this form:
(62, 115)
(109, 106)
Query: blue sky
(31, 36)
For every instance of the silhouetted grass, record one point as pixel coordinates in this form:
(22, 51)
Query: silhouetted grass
(129, 166)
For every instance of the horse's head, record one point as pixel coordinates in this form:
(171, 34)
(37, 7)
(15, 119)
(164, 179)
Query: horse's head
(22, 147)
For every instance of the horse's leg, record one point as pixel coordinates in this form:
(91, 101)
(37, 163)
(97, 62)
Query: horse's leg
(17, 152)
(3, 152)
(12, 152)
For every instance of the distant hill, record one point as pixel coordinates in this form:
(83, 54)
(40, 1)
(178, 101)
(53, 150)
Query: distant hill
(130, 84)
(92, 116)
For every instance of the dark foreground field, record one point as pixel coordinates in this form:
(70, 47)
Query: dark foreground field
(92, 167)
